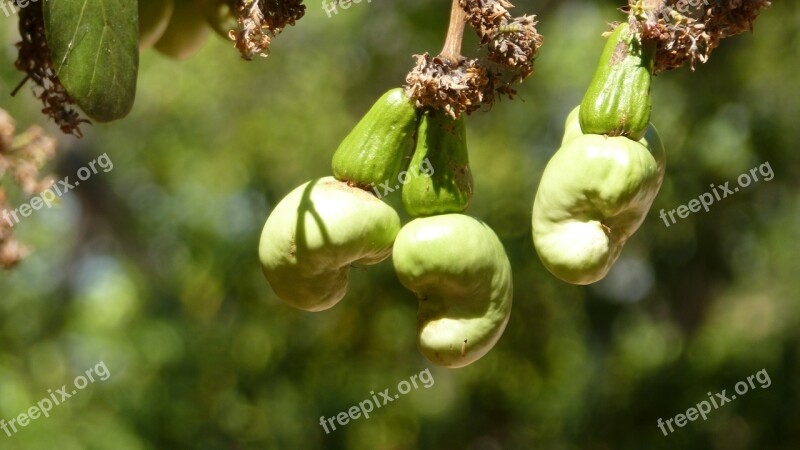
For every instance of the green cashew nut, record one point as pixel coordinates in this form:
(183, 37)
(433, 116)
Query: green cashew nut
(594, 194)
(617, 102)
(379, 145)
(442, 142)
(315, 233)
(458, 268)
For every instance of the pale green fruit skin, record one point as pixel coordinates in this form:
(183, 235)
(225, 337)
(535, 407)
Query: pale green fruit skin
(572, 126)
(186, 33)
(594, 194)
(154, 16)
(458, 268)
(313, 236)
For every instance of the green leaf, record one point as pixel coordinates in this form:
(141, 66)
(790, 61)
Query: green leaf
(94, 47)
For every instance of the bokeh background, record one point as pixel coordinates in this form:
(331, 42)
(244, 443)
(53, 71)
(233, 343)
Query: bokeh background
(152, 268)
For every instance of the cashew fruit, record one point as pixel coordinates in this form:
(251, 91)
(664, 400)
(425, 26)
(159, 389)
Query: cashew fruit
(458, 268)
(186, 33)
(443, 142)
(617, 102)
(219, 15)
(572, 126)
(315, 233)
(594, 194)
(377, 147)
(154, 16)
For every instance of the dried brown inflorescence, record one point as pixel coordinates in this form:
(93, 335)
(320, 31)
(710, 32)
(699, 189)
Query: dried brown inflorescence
(455, 87)
(34, 59)
(260, 21)
(21, 158)
(685, 34)
(516, 47)
(486, 16)
(512, 42)
(459, 85)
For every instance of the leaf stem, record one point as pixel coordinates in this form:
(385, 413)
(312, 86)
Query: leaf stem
(455, 33)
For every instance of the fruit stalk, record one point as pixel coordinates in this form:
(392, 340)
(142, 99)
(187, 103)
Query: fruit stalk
(455, 33)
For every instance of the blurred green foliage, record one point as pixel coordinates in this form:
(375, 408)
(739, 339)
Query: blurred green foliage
(152, 267)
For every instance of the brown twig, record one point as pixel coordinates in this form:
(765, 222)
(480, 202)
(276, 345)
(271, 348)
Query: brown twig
(451, 50)
(19, 86)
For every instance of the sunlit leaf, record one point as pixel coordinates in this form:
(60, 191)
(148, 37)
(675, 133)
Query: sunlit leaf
(95, 53)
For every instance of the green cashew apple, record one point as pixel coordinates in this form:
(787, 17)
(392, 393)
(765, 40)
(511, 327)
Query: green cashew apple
(617, 102)
(442, 143)
(154, 16)
(315, 233)
(376, 148)
(458, 268)
(186, 33)
(594, 194)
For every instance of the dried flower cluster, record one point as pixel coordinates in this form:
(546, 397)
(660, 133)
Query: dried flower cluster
(260, 21)
(512, 42)
(516, 47)
(461, 85)
(691, 35)
(21, 158)
(455, 87)
(34, 59)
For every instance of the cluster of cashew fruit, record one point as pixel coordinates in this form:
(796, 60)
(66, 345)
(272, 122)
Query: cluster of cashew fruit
(455, 264)
(179, 28)
(598, 187)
